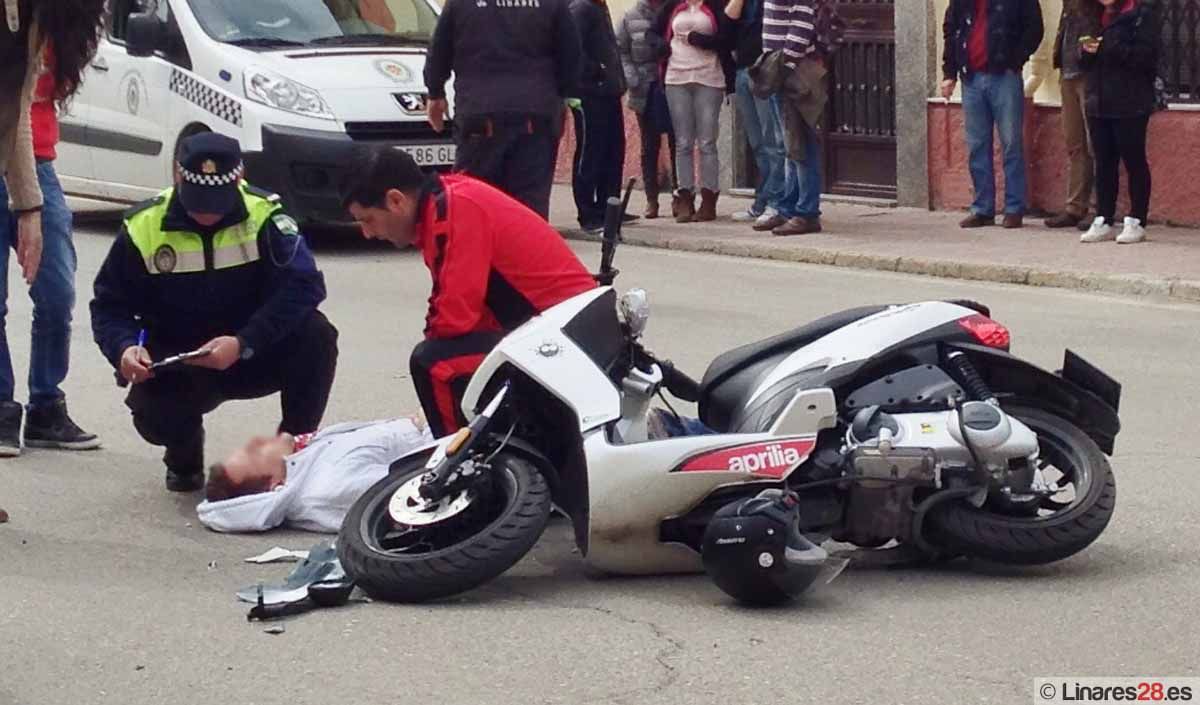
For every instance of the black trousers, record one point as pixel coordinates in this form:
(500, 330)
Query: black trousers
(514, 153)
(651, 132)
(169, 409)
(599, 156)
(1117, 141)
(441, 370)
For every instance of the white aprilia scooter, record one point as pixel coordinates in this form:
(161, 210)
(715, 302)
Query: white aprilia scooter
(908, 422)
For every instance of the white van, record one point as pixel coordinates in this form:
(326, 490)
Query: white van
(299, 83)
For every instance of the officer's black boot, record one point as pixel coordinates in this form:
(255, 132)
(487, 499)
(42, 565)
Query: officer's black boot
(185, 465)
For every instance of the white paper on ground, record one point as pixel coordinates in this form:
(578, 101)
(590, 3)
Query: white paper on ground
(278, 555)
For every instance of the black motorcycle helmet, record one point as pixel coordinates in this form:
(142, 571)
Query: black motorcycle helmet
(754, 551)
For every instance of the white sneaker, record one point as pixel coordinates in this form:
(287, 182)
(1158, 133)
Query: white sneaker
(745, 216)
(766, 217)
(1099, 232)
(1133, 232)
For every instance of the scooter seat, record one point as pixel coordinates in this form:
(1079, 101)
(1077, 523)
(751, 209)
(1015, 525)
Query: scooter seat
(733, 376)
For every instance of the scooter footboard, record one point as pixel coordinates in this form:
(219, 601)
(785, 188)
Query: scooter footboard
(634, 488)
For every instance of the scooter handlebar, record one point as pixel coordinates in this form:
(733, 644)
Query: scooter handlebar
(678, 383)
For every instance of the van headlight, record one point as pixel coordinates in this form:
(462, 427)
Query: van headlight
(278, 92)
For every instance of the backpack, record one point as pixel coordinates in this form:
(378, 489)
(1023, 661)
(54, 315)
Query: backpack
(831, 28)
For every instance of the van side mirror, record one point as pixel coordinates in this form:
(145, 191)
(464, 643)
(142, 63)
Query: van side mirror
(143, 34)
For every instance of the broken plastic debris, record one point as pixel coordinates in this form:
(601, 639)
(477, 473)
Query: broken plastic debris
(278, 555)
(320, 565)
(3, 517)
(275, 629)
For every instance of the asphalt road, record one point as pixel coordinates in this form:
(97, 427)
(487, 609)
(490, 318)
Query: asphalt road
(111, 591)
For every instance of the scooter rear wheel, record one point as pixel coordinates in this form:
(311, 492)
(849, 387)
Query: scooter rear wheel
(482, 535)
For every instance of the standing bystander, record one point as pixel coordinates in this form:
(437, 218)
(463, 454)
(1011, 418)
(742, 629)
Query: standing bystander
(640, 51)
(514, 65)
(988, 43)
(599, 120)
(1072, 25)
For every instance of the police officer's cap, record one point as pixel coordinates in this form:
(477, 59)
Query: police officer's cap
(209, 168)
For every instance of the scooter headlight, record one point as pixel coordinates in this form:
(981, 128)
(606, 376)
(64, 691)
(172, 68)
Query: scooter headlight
(635, 309)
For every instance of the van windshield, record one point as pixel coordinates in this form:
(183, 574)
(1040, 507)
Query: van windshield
(281, 23)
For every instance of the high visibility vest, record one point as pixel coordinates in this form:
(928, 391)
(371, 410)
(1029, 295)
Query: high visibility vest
(182, 252)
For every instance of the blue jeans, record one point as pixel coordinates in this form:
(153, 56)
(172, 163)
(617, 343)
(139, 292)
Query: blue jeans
(995, 103)
(53, 294)
(764, 135)
(802, 180)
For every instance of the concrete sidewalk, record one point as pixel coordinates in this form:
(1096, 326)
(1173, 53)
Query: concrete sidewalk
(922, 242)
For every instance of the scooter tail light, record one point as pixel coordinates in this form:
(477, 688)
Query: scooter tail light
(987, 331)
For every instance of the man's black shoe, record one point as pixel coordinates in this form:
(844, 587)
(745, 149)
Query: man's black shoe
(185, 464)
(182, 481)
(51, 427)
(10, 429)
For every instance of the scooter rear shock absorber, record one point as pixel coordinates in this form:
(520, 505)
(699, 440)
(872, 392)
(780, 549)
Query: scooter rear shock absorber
(969, 377)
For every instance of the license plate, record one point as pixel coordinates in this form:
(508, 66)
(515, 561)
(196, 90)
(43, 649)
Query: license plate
(431, 154)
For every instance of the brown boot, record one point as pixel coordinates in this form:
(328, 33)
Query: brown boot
(708, 206)
(684, 206)
(651, 211)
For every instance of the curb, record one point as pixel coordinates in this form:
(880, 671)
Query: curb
(1182, 290)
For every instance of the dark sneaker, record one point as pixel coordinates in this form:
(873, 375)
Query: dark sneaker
(52, 427)
(10, 429)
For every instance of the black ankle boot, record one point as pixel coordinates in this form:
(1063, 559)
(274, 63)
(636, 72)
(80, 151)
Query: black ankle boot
(10, 429)
(51, 427)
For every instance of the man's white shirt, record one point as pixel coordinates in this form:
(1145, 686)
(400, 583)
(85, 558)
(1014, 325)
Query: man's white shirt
(323, 480)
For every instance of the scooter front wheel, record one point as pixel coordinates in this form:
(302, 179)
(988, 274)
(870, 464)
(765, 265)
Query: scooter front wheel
(400, 549)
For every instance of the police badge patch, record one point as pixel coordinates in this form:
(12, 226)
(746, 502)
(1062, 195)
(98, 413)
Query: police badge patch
(285, 224)
(165, 259)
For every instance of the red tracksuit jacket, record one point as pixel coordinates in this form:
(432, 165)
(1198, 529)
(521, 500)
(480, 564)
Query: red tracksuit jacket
(495, 263)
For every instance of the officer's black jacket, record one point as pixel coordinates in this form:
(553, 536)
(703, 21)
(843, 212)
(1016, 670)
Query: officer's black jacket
(260, 302)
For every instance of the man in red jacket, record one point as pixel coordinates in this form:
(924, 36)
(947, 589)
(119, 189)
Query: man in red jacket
(495, 264)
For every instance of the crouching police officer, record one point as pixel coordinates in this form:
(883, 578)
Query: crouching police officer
(212, 264)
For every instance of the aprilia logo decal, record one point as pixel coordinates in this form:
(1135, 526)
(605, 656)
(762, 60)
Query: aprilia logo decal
(774, 459)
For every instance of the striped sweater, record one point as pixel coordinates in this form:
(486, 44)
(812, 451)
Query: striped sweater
(790, 26)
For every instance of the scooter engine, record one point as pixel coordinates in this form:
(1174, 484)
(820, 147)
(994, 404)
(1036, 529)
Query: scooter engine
(893, 454)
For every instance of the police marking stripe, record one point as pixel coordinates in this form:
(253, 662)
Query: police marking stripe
(211, 179)
(235, 255)
(207, 98)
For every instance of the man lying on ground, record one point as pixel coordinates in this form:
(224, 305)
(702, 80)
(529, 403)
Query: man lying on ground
(305, 482)
(310, 482)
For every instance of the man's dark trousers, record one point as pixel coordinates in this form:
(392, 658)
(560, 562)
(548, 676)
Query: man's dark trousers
(599, 156)
(441, 370)
(168, 410)
(514, 153)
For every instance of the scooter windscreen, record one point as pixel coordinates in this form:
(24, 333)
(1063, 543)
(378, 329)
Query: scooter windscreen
(753, 550)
